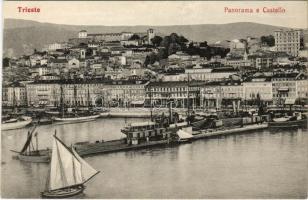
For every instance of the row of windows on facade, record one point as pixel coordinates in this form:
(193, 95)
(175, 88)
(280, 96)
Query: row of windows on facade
(287, 42)
(296, 33)
(287, 45)
(295, 49)
(284, 84)
(290, 89)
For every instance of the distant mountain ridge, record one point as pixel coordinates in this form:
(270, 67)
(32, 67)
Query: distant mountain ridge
(22, 36)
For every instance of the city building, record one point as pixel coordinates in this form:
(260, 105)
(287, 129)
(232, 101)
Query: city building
(179, 56)
(40, 70)
(43, 93)
(238, 45)
(83, 34)
(231, 94)
(209, 74)
(180, 93)
(58, 63)
(73, 63)
(82, 92)
(289, 87)
(258, 87)
(263, 62)
(211, 96)
(14, 95)
(288, 41)
(237, 63)
(222, 94)
(150, 35)
(56, 46)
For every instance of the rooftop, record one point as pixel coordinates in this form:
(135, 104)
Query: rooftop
(91, 81)
(175, 83)
(290, 75)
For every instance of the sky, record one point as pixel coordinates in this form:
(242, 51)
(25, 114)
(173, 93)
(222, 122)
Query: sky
(117, 13)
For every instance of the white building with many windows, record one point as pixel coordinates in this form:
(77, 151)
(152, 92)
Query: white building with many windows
(258, 86)
(288, 41)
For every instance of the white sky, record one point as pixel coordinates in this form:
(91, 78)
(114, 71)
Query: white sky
(115, 13)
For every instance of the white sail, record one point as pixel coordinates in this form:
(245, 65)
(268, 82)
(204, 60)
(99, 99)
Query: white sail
(86, 170)
(65, 169)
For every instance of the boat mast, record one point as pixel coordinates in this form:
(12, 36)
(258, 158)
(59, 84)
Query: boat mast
(151, 111)
(89, 104)
(14, 101)
(170, 112)
(26, 146)
(187, 94)
(36, 138)
(61, 100)
(75, 98)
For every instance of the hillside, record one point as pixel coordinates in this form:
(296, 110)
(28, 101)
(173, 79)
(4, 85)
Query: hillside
(22, 36)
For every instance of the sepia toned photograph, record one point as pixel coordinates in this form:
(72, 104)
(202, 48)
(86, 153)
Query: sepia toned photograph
(154, 100)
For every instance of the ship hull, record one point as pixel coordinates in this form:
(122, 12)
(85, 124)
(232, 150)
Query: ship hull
(198, 124)
(288, 124)
(42, 157)
(16, 125)
(34, 159)
(52, 112)
(69, 120)
(63, 193)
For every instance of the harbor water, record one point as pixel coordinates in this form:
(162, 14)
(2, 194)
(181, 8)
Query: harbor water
(259, 164)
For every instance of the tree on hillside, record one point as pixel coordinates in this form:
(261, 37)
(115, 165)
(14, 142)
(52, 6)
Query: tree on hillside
(156, 40)
(165, 42)
(134, 37)
(173, 48)
(162, 54)
(174, 37)
(150, 59)
(173, 43)
(203, 44)
(269, 40)
(6, 62)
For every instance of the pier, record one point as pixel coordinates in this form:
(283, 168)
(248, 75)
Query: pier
(210, 133)
(101, 147)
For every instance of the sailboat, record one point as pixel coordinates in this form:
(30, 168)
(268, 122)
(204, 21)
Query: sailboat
(14, 121)
(75, 117)
(31, 154)
(68, 172)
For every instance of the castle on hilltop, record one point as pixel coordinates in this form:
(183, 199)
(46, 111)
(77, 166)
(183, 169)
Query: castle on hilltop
(83, 35)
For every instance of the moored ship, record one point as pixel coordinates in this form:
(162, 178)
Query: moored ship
(14, 120)
(296, 120)
(74, 116)
(15, 123)
(31, 154)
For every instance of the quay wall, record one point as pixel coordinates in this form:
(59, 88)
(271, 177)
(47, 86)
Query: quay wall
(205, 134)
